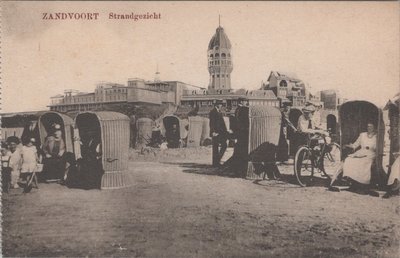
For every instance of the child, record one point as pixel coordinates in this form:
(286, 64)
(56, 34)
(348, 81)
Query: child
(29, 158)
(5, 168)
(15, 159)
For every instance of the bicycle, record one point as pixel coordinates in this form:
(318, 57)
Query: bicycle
(319, 154)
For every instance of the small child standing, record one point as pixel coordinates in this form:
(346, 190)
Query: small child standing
(29, 158)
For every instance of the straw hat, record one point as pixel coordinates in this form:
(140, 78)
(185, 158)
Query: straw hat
(308, 109)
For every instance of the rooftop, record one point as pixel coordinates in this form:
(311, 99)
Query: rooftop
(220, 39)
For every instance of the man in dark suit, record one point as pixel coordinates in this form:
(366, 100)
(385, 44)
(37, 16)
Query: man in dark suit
(218, 132)
(31, 130)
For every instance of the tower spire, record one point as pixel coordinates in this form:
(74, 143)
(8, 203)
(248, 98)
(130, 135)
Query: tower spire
(219, 60)
(157, 75)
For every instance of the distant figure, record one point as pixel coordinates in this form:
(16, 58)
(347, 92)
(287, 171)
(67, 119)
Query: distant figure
(133, 130)
(156, 139)
(173, 137)
(218, 132)
(194, 111)
(317, 116)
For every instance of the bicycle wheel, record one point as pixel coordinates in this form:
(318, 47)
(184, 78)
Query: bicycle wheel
(303, 166)
(332, 159)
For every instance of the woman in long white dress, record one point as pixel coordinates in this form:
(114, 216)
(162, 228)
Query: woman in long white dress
(357, 166)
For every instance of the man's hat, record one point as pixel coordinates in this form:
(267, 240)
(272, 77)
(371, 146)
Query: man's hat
(242, 99)
(13, 139)
(309, 109)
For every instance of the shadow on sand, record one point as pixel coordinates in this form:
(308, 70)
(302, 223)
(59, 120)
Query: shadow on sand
(203, 169)
(283, 181)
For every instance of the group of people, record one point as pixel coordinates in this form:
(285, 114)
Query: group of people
(51, 159)
(21, 161)
(356, 169)
(17, 162)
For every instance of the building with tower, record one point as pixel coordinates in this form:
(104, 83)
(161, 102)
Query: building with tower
(220, 61)
(220, 67)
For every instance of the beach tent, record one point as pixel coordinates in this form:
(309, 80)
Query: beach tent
(114, 130)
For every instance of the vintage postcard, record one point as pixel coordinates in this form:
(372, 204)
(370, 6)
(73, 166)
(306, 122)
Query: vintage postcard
(200, 129)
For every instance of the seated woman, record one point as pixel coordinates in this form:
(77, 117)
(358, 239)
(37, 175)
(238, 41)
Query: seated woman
(357, 166)
(54, 149)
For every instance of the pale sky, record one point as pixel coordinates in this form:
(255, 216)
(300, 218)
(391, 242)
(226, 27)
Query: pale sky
(349, 46)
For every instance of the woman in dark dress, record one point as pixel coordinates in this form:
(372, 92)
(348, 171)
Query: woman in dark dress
(91, 165)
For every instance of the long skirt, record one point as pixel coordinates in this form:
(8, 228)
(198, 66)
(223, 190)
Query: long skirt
(358, 169)
(92, 172)
(54, 168)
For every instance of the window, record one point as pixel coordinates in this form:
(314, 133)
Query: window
(217, 75)
(211, 56)
(283, 83)
(223, 75)
(216, 55)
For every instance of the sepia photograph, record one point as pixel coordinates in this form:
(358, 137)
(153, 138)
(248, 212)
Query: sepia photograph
(200, 129)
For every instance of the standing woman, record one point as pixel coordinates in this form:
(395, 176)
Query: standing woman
(357, 166)
(54, 149)
(91, 165)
